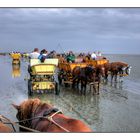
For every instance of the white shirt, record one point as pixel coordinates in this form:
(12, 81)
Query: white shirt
(93, 56)
(34, 55)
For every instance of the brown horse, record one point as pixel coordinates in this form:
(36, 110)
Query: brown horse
(86, 75)
(4, 128)
(43, 117)
(116, 68)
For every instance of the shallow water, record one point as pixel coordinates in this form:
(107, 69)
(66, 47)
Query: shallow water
(116, 109)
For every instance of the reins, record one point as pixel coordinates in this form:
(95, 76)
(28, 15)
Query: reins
(49, 118)
(3, 119)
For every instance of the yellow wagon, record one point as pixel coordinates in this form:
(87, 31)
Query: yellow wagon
(95, 63)
(16, 58)
(43, 76)
(65, 69)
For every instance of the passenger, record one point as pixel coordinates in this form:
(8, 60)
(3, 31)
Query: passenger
(35, 54)
(99, 54)
(70, 57)
(93, 56)
(52, 54)
(43, 55)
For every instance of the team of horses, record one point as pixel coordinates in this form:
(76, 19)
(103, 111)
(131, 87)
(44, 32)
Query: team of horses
(88, 74)
(91, 74)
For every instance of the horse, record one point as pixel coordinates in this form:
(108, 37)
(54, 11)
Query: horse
(100, 70)
(85, 75)
(116, 68)
(34, 114)
(4, 128)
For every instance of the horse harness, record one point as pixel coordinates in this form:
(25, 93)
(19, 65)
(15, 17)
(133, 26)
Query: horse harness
(47, 114)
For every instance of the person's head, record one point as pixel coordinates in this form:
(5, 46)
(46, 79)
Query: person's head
(36, 50)
(70, 52)
(43, 51)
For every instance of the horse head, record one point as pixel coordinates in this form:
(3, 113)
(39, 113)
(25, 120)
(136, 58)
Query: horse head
(128, 70)
(25, 110)
(90, 73)
(31, 111)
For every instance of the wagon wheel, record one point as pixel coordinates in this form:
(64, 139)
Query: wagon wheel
(57, 88)
(30, 91)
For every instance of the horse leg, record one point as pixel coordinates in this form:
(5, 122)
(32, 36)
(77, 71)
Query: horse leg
(82, 85)
(121, 79)
(94, 88)
(112, 75)
(106, 77)
(116, 77)
(73, 83)
(98, 87)
(121, 76)
(85, 85)
(77, 83)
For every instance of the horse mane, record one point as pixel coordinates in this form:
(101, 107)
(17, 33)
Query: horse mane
(30, 106)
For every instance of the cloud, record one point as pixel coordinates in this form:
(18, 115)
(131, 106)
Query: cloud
(75, 27)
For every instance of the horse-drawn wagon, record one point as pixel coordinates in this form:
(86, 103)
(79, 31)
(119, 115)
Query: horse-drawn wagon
(88, 72)
(43, 76)
(65, 71)
(16, 58)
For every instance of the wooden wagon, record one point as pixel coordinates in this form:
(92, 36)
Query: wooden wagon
(43, 76)
(65, 69)
(95, 63)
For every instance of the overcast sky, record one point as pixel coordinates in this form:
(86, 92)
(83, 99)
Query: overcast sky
(110, 30)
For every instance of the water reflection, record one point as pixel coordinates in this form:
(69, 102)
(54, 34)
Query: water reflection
(16, 70)
(117, 85)
(113, 110)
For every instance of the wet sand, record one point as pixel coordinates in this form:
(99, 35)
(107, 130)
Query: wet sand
(116, 109)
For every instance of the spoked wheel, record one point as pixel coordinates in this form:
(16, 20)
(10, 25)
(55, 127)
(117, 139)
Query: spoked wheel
(30, 91)
(57, 88)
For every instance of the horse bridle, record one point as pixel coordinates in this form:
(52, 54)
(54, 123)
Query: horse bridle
(46, 115)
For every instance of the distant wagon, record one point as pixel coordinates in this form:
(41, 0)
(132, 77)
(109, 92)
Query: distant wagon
(16, 58)
(43, 76)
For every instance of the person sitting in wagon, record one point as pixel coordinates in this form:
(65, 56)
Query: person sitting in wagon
(43, 55)
(70, 57)
(34, 54)
(94, 56)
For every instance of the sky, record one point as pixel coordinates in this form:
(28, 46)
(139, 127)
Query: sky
(109, 30)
